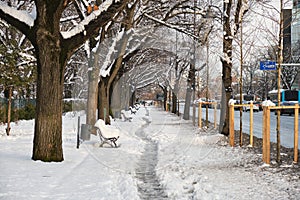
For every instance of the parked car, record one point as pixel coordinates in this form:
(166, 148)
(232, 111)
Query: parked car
(287, 111)
(238, 102)
(247, 108)
(259, 104)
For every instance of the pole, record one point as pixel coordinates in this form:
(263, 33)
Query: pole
(231, 125)
(279, 61)
(78, 131)
(207, 77)
(296, 128)
(241, 87)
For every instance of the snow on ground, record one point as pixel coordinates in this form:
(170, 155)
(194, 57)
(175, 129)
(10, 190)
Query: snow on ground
(192, 164)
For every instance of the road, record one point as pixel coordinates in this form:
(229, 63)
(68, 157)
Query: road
(286, 124)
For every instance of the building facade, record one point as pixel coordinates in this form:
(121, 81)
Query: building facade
(295, 38)
(295, 28)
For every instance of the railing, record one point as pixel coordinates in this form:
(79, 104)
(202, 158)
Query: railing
(231, 122)
(200, 113)
(266, 128)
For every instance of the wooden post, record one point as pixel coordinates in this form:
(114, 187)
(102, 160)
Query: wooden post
(200, 115)
(266, 138)
(215, 116)
(251, 124)
(296, 133)
(264, 134)
(231, 125)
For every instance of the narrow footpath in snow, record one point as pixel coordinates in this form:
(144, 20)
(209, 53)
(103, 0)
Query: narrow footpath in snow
(149, 186)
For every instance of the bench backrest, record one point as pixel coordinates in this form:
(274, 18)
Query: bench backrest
(106, 130)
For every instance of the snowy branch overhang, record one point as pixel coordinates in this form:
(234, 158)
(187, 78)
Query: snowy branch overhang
(25, 21)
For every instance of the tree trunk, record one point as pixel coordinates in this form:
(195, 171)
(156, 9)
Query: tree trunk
(132, 99)
(92, 91)
(174, 103)
(165, 90)
(51, 62)
(226, 67)
(189, 91)
(103, 101)
(9, 110)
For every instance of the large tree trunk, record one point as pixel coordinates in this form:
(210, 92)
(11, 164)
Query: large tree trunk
(47, 142)
(174, 103)
(103, 101)
(93, 91)
(229, 33)
(189, 91)
(132, 99)
(226, 67)
(51, 62)
(106, 83)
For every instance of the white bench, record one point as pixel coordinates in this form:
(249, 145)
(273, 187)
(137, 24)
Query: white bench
(126, 115)
(108, 134)
(133, 110)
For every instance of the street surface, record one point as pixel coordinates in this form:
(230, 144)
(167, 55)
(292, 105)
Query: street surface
(286, 124)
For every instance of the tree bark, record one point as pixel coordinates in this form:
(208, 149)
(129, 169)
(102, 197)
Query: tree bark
(189, 91)
(226, 67)
(103, 101)
(107, 82)
(174, 103)
(93, 91)
(47, 142)
(52, 52)
(51, 62)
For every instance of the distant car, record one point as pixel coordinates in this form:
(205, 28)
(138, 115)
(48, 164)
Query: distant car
(259, 104)
(238, 102)
(247, 108)
(287, 111)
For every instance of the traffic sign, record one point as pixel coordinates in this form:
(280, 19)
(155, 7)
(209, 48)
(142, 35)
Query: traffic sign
(267, 65)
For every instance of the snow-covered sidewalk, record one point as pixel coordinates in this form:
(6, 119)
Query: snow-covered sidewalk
(191, 164)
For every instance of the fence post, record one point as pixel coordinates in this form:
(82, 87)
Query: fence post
(215, 116)
(200, 115)
(296, 127)
(266, 135)
(251, 124)
(231, 125)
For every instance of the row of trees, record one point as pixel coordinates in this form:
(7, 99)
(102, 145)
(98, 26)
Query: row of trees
(121, 37)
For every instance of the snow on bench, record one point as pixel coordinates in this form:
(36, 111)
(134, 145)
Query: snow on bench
(108, 134)
(126, 115)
